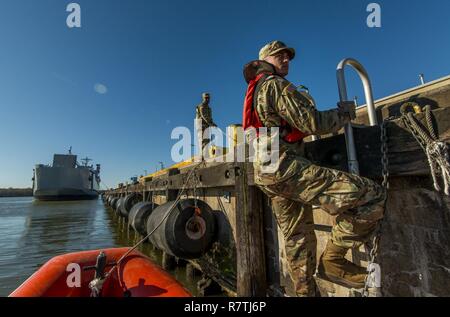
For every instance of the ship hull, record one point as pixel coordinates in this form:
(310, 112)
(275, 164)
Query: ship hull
(65, 194)
(54, 183)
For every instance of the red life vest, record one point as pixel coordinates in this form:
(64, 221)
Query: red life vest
(251, 117)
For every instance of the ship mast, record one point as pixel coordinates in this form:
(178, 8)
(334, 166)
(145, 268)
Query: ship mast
(86, 161)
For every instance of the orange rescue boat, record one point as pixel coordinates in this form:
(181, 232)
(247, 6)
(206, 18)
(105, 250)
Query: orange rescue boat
(72, 275)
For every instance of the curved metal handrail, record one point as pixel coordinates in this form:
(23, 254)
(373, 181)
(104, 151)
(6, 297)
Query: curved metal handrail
(353, 164)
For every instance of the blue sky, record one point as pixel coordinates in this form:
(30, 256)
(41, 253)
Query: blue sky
(155, 58)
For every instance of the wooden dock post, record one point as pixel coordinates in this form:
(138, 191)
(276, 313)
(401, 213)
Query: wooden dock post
(251, 265)
(172, 194)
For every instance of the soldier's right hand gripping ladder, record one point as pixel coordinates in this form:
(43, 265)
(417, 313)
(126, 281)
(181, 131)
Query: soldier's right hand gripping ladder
(373, 280)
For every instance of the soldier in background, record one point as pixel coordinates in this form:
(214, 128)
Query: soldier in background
(295, 184)
(203, 115)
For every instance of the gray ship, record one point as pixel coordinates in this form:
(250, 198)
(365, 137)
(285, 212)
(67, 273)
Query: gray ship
(66, 179)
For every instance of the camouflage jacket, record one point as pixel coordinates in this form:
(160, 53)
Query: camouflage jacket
(204, 112)
(277, 99)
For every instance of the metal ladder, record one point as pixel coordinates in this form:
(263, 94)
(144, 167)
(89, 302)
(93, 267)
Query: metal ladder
(353, 165)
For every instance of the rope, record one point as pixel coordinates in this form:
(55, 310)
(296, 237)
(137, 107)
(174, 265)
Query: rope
(222, 208)
(438, 159)
(435, 150)
(159, 224)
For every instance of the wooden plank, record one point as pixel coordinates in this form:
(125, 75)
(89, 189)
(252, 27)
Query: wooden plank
(271, 245)
(221, 175)
(228, 285)
(172, 194)
(406, 157)
(251, 267)
(217, 176)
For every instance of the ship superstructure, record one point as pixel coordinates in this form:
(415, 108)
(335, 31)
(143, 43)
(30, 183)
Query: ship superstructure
(66, 179)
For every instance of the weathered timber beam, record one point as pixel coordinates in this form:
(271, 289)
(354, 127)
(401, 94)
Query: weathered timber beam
(172, 194)
(406, 157)
(228, 284)
(221, 175)
(251, 265)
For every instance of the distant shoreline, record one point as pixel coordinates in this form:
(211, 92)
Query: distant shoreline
(16, 192)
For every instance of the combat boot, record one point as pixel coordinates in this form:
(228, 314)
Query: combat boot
(335, 268)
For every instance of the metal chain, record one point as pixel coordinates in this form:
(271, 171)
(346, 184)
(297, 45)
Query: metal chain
(197, 211)
(384, 154)
(429, 143)
(370, 281)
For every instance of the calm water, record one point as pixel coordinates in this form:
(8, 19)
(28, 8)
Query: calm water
(32, 232)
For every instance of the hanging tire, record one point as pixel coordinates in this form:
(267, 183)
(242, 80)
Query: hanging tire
(128, 202)
(110, 200)
(183, 233)
(119, 206)
(114, 203)
(139, 214)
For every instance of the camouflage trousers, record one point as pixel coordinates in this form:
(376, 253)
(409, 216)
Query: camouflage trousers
(204, 140)
(357, 202)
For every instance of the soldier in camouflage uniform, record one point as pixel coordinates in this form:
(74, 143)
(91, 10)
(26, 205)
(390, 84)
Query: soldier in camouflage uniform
(203, 115)
(295, 185)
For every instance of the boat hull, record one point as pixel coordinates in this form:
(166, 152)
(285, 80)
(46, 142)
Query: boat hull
(68, 276)
(65, 194)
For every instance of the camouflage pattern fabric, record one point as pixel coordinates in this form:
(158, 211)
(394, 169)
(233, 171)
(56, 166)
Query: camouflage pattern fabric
(295, 184)
(275, 47)
(297, 225)
(204, 113)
